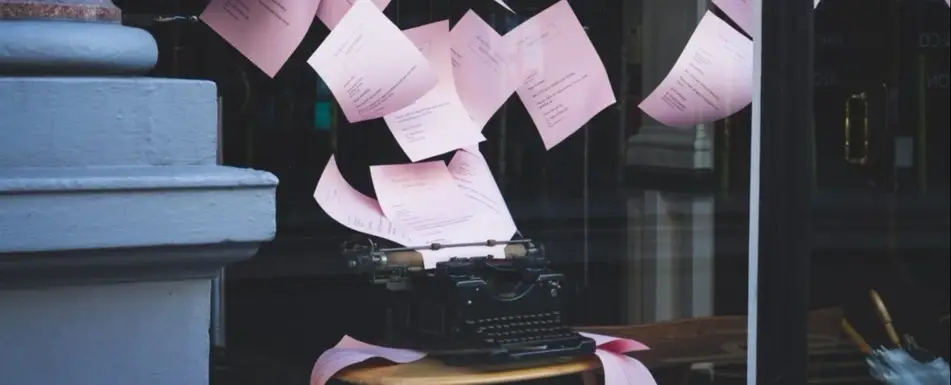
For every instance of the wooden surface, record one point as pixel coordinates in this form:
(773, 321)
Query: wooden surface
(431, 372)
(674, 346)
(720, 339)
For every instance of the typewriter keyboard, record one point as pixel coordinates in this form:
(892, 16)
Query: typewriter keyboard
(521, 329)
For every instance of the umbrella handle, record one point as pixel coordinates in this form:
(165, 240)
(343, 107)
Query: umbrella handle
(855, 336)
(885, 317)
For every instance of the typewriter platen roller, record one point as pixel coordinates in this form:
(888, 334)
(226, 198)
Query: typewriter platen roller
(473, 309)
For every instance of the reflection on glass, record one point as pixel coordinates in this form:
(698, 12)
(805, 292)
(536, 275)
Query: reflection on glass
(646, 224)
(856, 129)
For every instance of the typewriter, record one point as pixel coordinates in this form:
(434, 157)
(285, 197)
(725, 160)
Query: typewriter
(472, 310)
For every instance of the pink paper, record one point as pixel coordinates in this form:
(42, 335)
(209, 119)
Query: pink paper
(474, 177)
(425, 199)
(480, 68)
(712, 79)
(350, 351)
(437, 122)
(620, 369)
(616, 344)
(623, 370)
(331, 11)
(265, 31)
(563, 82)
(741, 11)
(370, 66)
(352, 209)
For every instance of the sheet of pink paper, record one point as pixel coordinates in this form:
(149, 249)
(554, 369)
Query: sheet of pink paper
(474, 177)
(352, 209)
(480, 68)
(740, 11)
(370, 66)
(265, 31)
(563, 82)
(437, 122)
(616, 344)
(331, 11)
(425, 199)
(712, 79)
(623, 370)
(350, 351)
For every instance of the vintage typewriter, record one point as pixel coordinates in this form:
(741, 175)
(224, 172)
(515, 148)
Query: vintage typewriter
(475, 309)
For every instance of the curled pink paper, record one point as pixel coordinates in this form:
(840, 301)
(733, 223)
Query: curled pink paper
(712, 78)
(370, 66)
(351, 351)
(562, 81)
(741, 11)
(623, 370)
(331, 11)
(616, 344)
(265, 32)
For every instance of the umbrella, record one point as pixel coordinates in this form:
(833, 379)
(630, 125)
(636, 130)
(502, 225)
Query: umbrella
(904, 364)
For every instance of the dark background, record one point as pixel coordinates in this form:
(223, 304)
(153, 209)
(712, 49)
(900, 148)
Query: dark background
(875, 225)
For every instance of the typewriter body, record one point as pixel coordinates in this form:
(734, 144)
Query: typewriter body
(474, 309)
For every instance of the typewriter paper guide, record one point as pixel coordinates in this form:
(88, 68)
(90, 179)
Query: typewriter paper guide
(436, 123)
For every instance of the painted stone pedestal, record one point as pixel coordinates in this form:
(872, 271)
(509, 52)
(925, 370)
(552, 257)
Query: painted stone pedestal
(114, 216)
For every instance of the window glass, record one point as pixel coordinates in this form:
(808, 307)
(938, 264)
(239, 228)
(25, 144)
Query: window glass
(647, 221)
(882, 184)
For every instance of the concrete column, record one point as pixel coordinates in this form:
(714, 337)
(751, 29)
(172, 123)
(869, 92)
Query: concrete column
(114, 216)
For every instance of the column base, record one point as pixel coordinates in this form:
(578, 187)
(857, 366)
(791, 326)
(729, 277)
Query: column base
(143, 333)
(105, 272)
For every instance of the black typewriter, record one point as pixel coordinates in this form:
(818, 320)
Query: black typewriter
(476, 309)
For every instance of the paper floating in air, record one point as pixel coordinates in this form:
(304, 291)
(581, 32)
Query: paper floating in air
(712, 78)
(331, 11)
(563, 83)
(370, 66)
(480, 67)
(437, 122)
(423, 203)
(266, 35)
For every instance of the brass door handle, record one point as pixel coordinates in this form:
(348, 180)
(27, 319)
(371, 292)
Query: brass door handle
(856, 119)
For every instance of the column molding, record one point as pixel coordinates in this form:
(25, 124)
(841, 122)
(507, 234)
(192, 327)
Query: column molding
(114, 214)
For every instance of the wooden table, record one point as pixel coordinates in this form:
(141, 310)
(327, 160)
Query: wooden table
(675, 345)
(432, 372)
